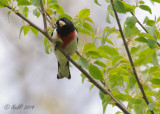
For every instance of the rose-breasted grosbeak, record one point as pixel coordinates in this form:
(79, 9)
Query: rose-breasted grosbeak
(68, 34)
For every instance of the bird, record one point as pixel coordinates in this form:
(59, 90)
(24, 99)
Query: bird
(68, 34)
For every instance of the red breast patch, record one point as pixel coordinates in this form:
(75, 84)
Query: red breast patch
(67, 39)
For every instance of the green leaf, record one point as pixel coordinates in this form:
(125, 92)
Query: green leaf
(146, 8)
(66, 16)
(90, 20)
(141, 39)
(158, 19)
(35, 31)
(36, 3)
(57, 7)
(150, 106)
(119, 6)
(83, 62)
(151, 43)
(151, 30)
(108, 50)
(96, 1)
(154, 69)
(95, 72)
(24, 11)
(107, 17)
(147, 35)
(135, 49)
(157, 34)
(93, 54)
(109, 41)
(47, 49)
(141, 2)
(83, 30)
(91, 87)
(130, 32)
(84, 13)
(129, 8)
(110, 10)
(105, 100)
(103, 38)
(108, 13)
(121, 96)
(108, 1)
(36, 13)
(130, 103)
(89, 47)
(47, 45)
(145, 20)
(155, 59)
(150, 22)
(139, 106)
(131, 21)
(20, 32)
(45, 41)
(3, 3)
(118, 112)
(116, 59)
(53, 1)
(83, 77)
(132, 81)
(100, 63)
(155, 81)
(158, 1)
(23, 2)
(59, 40)
(156, 74)
(26, 29)
(75, 56)
(88, 26)
(9, 16)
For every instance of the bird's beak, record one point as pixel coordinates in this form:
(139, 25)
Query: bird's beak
(61, 23)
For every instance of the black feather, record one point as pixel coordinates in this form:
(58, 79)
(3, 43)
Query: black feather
(67, 64)
(66, 29)
(58, 71)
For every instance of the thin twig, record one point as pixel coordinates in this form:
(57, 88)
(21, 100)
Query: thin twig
(48, 19)
(129, 56)
(142, 25)
(117, 103)
(27, 20)
(48, 15)
(44, 17)
(78, 54)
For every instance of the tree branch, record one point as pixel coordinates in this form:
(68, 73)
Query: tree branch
(142, 26)
(117, 103)
(48, 19)
(129, 56)
(44, 17)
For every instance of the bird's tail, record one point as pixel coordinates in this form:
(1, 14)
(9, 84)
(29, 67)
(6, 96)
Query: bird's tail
(63, 71)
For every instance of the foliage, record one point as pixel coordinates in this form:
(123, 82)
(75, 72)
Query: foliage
(107, 62)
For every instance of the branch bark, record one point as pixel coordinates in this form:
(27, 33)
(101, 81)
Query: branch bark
(44, 17)
(117, 103)
(48, 19)
(130, 58)
(142, 26)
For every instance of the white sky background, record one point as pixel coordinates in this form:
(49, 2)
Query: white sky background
(28, 75)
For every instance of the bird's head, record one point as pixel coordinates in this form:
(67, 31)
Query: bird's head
(64, 26)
